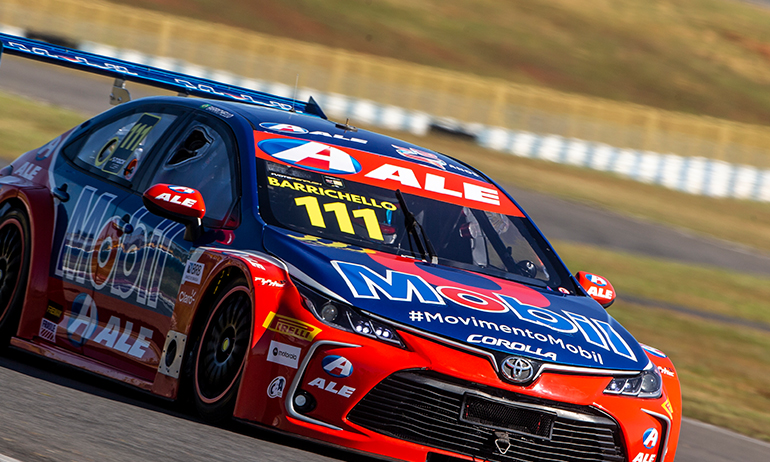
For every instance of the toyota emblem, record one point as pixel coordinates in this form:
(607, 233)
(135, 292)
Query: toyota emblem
(518, 370)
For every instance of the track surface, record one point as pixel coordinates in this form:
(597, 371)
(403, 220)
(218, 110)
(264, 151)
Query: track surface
(49, 413)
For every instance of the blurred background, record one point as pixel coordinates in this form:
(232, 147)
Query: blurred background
(656, 112)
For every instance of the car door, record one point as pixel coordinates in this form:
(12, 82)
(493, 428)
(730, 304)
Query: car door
(151, 264)
(97, 171)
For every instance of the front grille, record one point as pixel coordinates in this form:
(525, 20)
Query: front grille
(465, 418)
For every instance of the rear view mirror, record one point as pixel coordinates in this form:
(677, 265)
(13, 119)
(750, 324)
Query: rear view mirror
(598, 288)
(179, 203)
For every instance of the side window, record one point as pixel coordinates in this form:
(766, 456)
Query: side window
(203, 158)
(117, 149)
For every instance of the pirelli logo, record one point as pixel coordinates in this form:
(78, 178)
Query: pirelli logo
(290, 326)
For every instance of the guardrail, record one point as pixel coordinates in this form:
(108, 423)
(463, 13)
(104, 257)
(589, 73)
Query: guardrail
(441, 93)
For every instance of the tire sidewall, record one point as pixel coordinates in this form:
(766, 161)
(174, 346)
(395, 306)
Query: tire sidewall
(9, 318)
(220, 408)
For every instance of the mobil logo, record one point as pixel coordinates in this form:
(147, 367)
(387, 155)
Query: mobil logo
(283, 128)
(596, 280)
(337, 366)
(311, 155)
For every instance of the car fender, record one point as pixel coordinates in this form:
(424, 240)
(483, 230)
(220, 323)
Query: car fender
(38, 203)
(265, 277)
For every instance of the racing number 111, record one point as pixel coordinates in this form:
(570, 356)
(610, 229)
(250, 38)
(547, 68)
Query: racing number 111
(340, 210)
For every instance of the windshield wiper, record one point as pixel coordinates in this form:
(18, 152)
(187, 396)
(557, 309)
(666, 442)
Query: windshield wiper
(415, 230)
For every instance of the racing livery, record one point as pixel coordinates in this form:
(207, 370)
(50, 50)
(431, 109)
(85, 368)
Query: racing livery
(292, 272)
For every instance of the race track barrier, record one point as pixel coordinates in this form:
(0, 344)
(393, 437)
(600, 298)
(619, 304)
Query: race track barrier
(710, 156)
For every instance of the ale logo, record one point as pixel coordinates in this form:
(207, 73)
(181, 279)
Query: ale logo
(283, 128)
(311, 155)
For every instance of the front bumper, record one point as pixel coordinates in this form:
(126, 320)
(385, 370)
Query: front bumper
(433, 401)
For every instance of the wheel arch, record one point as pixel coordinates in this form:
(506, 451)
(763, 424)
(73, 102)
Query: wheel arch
(38, 206)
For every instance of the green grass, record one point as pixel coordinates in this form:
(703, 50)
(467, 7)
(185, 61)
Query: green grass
(743, 222)
(700, 56)
(724, 370)
(26, 125)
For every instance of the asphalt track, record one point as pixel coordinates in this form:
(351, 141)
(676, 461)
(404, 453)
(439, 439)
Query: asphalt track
(50, 413)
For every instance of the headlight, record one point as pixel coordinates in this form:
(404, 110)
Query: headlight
(648, 384)
(345, 317)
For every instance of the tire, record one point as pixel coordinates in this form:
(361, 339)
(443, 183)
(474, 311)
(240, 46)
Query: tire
(220, 353)
(14, 270)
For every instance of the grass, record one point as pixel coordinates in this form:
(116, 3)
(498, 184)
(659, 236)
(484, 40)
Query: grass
(724, 370)
(742, 222)
(699, 56)
(26, 125)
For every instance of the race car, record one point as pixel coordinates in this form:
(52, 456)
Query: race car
(240, 250)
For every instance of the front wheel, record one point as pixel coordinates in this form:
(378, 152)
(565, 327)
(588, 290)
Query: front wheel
(14, 266)
(221, 353)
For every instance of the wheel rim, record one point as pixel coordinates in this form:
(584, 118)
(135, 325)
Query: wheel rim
(11, 256)
(223, 346)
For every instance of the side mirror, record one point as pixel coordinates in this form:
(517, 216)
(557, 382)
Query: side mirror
(598, 288)
(178, 203)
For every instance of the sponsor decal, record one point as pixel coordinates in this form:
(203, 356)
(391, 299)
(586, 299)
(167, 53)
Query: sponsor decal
(48, 330)
(333, 182)
(276, 387)
(193, 272)
(397, 286)
(650, 438)
(642, 457)
(53, 312)
(75, 59)
(133, 139)
(290, 326)
(668, 408)
(337, 366)
(177, 199)
(218, 111)
(597, 280)
(344, 391)
(385, 172)
(311, 155)
(564, 291)
(295, 130)
(421, 156)
(28, 171)
(181, 189)
(331, 244)
(434, 183)
(283, 128)
(187, 299)
(83, 325)
(94, 253)
(653, 351)
(666, 371)
(46, 151)
(269, 282)
(333, 193)
(599, 292)
(281, 353)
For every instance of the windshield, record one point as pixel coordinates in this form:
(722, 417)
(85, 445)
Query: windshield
(338, 209)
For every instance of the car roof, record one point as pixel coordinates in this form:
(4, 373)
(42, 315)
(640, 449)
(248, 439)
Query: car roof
(304, 126)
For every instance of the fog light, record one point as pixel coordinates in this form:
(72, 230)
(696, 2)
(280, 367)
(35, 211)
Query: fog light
(304, 402)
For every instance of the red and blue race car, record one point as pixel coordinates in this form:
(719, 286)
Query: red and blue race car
(288, 271)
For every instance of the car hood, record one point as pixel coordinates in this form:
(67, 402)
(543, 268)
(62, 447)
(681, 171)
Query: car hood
(475, 309)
